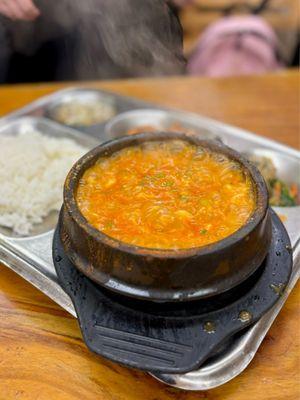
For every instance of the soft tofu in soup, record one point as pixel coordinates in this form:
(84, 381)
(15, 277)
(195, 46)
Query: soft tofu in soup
(166, 195)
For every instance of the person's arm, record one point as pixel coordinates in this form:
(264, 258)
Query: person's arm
(19, 9)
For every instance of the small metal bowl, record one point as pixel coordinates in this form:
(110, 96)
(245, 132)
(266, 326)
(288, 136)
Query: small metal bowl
(161, 120)
(164, 275)
(82, 97)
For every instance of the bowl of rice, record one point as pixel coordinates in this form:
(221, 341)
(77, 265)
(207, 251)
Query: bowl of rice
(33, 167)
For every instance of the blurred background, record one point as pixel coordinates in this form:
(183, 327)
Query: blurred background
(281, 15)
(43, 40)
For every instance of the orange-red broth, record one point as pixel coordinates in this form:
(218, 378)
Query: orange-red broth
(166, 195)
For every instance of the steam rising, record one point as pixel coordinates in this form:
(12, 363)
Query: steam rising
(110, 38)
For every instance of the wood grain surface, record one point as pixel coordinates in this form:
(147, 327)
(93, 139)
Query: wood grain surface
(42, 355)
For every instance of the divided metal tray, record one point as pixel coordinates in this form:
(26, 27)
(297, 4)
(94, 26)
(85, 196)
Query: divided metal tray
(31, 256)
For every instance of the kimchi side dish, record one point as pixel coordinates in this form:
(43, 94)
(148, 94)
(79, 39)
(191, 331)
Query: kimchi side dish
(166, 195)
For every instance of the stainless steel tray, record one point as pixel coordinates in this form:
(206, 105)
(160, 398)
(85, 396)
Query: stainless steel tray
(31, 258)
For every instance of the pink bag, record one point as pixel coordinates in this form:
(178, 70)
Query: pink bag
(237, 45)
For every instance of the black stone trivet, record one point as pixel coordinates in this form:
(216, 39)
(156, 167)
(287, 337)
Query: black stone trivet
(172, 337)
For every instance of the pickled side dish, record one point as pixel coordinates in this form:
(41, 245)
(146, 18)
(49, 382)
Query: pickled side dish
(166, 195)
(174, 127)
(80, 113)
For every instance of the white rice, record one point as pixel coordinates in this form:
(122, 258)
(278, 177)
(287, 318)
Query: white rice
(33, 168)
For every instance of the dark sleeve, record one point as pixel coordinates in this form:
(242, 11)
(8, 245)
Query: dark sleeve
(5, 51)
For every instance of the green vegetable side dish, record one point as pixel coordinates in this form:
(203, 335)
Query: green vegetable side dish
(282, 194)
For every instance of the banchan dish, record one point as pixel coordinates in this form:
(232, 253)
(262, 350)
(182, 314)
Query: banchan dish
(164, 274)
(154, 120)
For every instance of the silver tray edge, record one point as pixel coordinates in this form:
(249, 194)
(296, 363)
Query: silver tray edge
(209, 376)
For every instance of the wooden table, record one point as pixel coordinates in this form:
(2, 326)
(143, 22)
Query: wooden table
(42, 355)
